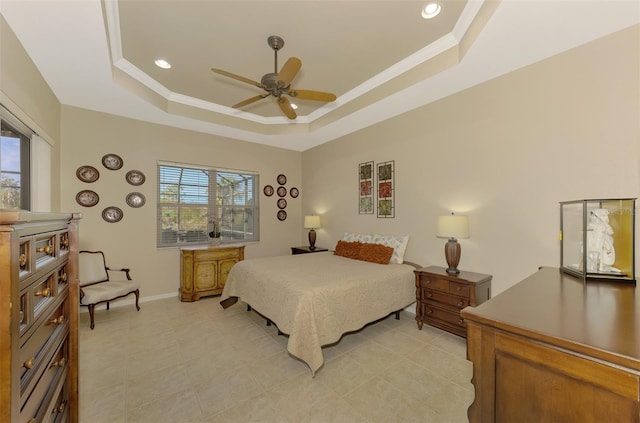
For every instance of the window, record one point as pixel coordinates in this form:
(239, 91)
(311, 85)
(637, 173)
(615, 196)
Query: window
(14, 162)
(198, 203)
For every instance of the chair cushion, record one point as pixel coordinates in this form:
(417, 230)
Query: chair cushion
(106, 291)
(91, 268)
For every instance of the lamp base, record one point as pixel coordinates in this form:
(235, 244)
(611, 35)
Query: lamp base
(312, 239)
(452, 254)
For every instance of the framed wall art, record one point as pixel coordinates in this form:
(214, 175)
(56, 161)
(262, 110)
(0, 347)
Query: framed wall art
(365, 188)
(386, 189)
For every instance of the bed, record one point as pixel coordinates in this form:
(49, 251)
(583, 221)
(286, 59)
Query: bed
(316, 298)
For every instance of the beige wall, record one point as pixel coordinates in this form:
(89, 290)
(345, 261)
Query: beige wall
(505, 153)
(88, 135)
(25, 93)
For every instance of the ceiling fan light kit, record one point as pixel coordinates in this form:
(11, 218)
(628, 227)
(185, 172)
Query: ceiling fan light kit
(277, 84)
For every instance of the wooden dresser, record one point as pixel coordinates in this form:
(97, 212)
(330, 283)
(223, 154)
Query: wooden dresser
(203, 271)
(440, 297)
(38, 317)
(553, 348)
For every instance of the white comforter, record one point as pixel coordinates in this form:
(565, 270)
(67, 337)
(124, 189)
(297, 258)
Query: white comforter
(315, 298)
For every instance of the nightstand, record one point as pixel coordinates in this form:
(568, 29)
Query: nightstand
(440, 297)
(306, 250)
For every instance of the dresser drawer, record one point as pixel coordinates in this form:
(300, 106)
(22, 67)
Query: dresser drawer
(441, 297)
(39, 402)
(36, 348)
(214, 254)
(43, 293)
(60, 412)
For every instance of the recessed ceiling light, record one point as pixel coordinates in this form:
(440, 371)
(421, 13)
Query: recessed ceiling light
(431, 10)
(161, 63)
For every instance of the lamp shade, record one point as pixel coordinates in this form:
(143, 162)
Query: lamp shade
(453, 226)
(311, 222)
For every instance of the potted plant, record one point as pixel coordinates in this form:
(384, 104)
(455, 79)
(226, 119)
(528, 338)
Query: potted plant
(214, 233)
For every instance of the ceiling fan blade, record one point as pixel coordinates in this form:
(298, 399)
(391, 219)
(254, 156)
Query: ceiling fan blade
(312, 95)
(284, 104)
(289, 71)
(238, 77)
(250, 100)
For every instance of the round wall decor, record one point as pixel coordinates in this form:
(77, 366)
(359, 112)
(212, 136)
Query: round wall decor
(87, 173)
(136, 199)
(293, 192)
(112, 161)
(268, 190)
(282, 215)
(112, 214)
(282, 179)
(87, 198)
(282, 191)
(135, 177)
(282, 203)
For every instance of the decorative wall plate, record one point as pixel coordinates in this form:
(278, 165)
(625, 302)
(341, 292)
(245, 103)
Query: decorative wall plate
(87, 173)
(136, 199)
(282, 203)
(282, 179)
(282, 191)
(112, 214)
(293, 192)
(282, 215)
(112, 161)
(135, 177)
(268, 190)
(87, 198)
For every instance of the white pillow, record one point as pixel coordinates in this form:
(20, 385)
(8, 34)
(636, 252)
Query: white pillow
(397, 242)
(364, 238)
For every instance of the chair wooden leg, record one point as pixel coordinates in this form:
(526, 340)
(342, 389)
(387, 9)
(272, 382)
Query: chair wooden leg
(107, 305)
(91, 309)
(137, 292)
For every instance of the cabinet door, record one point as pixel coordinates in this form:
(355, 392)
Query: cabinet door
(205, 275)
(225, 268)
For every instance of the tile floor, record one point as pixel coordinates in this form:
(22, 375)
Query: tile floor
(196, 362)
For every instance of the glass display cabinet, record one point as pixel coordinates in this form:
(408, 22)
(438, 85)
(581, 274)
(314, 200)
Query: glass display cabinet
(597, 239)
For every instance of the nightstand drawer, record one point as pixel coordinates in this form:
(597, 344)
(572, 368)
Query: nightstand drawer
(452, 300)
(459, 289)
(430, 282)
(437, 313)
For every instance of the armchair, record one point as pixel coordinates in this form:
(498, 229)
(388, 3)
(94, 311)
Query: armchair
(97, 287)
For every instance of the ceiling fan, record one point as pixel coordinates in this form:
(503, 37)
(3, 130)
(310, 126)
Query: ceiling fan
(277, 84)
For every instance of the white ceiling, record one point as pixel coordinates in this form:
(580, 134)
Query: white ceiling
(379, 57)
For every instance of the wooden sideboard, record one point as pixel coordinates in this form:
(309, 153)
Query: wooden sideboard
(38, 317)
(553, 348)
(440, 297)
(203, 271)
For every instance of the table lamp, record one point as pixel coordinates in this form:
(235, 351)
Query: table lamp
(312, 223)
(452, 227)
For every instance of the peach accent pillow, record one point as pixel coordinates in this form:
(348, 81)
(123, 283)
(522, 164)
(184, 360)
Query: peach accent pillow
(375, 253)
(348, 249)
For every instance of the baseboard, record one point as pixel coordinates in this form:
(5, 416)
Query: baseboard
(411, 309)
(129, 301)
